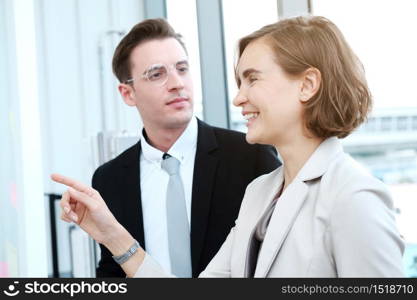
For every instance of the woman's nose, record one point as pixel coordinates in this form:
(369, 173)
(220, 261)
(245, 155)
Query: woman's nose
(240, 98)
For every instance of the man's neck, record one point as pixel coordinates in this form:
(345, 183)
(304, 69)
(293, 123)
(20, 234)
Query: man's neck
(163, 138)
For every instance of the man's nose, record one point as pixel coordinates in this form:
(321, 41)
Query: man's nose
(175, 80)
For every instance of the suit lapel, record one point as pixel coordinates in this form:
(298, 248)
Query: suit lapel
(205, 166)
(283, 217)
(132, 200)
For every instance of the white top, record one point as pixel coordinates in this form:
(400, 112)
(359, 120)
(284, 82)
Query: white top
(154, 183)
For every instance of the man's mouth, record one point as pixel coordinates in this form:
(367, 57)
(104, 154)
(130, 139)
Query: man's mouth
(177, 100)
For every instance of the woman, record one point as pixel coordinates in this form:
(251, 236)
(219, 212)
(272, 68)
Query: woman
(319, 215)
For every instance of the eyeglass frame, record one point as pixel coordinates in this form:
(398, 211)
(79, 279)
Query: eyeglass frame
(169, 68)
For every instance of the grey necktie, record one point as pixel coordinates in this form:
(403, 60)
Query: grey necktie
(177, 220)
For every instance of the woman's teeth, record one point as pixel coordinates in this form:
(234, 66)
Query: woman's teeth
(247, 117)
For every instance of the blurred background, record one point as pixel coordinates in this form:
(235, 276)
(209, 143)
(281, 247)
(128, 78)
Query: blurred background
(60, 110)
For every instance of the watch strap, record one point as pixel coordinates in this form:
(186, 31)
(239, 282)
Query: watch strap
(120, 259)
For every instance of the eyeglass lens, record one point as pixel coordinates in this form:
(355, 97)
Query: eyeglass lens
(158, 73)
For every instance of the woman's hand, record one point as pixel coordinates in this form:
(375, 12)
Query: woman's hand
(84, 206)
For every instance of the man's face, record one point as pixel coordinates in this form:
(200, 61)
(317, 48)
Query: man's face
(163, 99)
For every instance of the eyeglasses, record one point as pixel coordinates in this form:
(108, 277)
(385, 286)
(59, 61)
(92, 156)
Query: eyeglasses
(157, 74)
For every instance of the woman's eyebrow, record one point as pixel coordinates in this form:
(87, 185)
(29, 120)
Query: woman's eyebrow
(249, 72)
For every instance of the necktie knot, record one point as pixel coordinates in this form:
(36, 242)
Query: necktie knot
(171, 165)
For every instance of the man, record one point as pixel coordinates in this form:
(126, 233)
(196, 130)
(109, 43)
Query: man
(215, 165)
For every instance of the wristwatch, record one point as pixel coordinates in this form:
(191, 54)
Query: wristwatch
(125, 256)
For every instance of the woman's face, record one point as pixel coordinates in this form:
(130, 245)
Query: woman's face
(270, 99)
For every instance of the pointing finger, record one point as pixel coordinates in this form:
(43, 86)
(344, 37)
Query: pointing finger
(73, 183)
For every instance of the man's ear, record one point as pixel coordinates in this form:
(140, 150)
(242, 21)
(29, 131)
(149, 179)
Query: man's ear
(128, 94)
(311, 80)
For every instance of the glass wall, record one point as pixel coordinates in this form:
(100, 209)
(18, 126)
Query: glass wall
(381, 33)
(182, 15)
(241, 17)
(9, 196)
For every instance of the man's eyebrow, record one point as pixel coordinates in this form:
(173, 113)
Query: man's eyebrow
(182, 62)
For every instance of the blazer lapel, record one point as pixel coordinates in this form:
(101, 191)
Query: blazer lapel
(264, 196)
(283, 217)
(132, 200)
(291, 201)
(205, 166)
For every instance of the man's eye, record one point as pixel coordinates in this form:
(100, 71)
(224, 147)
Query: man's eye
(156, 74)
(182, 69)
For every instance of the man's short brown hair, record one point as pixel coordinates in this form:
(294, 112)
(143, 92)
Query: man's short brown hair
(150, 29)
(343, 100)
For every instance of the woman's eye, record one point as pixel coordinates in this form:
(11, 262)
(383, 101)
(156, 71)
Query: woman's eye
(252, 79)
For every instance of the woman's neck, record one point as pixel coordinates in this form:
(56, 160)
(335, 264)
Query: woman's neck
(295, 154)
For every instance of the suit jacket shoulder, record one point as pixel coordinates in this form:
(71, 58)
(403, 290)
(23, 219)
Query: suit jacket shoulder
(234, 147)
(107, 170)
(117, 181)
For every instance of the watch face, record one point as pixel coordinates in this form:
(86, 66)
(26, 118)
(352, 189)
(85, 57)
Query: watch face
(125, 256)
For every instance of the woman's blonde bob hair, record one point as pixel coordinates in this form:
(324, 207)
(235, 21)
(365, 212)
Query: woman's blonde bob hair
(343, 100)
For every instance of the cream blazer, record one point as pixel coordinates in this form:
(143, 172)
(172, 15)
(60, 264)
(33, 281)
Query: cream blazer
(333, 220)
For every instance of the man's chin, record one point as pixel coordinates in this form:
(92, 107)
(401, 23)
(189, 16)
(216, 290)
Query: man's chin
(179, 121)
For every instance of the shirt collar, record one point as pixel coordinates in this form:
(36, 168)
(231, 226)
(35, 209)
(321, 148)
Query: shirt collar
(181, 148)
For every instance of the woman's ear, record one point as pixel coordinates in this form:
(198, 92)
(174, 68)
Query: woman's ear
(128, 94)
(311, 80)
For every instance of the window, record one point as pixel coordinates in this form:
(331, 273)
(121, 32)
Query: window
(380, 34)
(402, 123)
(242, 17)
(414, 123)
(182, 15)
(370, 125)
(386, 123)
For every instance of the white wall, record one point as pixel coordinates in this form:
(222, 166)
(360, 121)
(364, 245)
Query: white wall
(23, 239)
(52, 94)
(78, 93)
(10, 200)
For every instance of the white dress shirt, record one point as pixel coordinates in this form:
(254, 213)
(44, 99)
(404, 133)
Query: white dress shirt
(154, 183)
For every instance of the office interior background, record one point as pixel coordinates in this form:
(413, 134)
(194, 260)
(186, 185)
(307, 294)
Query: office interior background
(60, 110)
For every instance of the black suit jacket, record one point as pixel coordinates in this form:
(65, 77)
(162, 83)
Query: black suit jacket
(224, 165)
